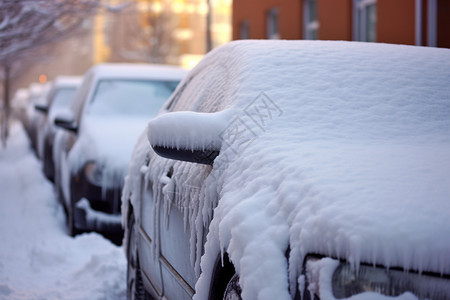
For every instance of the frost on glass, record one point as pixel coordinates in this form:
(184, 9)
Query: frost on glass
(130, 97)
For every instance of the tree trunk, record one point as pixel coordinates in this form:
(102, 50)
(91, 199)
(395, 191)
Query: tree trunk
(6, 105)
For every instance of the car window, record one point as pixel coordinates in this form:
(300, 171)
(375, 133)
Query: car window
(129, 97)
(62, 98)
(202, 92)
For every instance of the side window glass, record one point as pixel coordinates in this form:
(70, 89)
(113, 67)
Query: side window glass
(203, 92)
(176, 97)
(215, 95)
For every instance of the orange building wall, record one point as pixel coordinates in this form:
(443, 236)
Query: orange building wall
(395, 21)
(290, 17)
(335, 19)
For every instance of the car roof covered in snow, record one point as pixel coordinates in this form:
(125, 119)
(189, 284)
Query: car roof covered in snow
(128, 70)
(67, 81)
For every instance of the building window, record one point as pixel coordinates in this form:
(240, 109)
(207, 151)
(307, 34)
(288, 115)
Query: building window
(365, 20)
(310, 20)
(272, 23)
(244, 30)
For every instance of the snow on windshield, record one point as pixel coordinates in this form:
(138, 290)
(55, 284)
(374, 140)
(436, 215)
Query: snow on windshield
(130, 97)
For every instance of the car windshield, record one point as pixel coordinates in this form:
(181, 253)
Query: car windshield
(130, 97)
(63, 98)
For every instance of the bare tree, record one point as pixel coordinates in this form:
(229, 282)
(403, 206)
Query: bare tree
(28, 24)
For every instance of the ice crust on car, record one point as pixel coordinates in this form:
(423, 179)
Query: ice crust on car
(195, 131)
(347, 155)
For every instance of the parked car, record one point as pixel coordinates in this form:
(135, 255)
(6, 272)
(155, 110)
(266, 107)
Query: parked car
(38, 95)
(108, 112)
(282, 169)
(59, 98)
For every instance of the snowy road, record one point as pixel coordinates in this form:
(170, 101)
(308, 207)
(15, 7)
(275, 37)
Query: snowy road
(38, 260)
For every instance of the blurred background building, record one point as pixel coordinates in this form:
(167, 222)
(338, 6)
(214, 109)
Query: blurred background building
(180, 32)
(410, 22)
(148, 31)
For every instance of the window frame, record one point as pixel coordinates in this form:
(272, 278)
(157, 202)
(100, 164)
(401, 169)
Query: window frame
(310, 23)
(360, 8)
(273, 23)
(244, 29)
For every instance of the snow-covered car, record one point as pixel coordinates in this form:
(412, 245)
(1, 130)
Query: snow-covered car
(290, 169)
(59, 98)
(108, 112)
(38, 96)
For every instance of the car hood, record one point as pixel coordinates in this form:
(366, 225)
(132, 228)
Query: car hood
(385, 203)
(107, 141)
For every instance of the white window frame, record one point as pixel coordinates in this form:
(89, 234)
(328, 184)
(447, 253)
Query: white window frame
(273, 23)
(359, 26)
(309, 25)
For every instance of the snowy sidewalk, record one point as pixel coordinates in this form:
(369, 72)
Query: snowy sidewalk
(38, 260)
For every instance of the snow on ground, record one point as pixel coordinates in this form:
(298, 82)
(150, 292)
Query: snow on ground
(38, 260)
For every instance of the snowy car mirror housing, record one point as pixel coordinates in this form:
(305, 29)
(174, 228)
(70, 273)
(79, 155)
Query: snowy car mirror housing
(66, 122)
(188, 136)
(41, 108)
(197, 156)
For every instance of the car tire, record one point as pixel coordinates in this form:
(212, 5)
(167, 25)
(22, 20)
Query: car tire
(71, 227)
(48, 163)
(233, 289)
(135, 286)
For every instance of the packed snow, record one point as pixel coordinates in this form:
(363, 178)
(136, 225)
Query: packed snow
(335, 148)
(194, 131)
(38, 260)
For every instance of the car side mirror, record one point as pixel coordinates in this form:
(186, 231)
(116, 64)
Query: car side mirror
(188, 136)
(66, 121)
(41, 108)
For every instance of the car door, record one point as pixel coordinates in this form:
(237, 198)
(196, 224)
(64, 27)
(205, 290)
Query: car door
(170, 201)
(179, 191)
(158, 257)
(69, 138)
(153, 180)
(148, 228)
